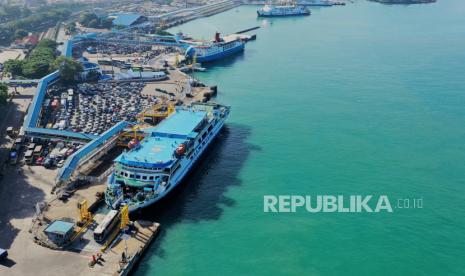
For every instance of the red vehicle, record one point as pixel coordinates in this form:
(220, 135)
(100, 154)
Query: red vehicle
(40, 161)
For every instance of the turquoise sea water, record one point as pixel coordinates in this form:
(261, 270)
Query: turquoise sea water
(364, 99)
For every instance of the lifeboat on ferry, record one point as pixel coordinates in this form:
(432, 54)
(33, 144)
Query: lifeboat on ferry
(181, 149)
(133, 143)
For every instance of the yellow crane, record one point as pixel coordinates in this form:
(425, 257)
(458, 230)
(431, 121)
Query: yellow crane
(156, 112)
(176, 61)
(84, 214)
(126, 136)
(124, 216)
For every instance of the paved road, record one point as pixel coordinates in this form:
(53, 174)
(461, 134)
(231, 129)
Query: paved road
(20, 189)
(14, 117)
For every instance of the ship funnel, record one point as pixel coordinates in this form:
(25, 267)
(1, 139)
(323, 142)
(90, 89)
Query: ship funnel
(217, 37)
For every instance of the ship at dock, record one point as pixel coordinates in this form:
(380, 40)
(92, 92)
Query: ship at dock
(157, 164)
(316, 3)
(279, 11)
(220, 47)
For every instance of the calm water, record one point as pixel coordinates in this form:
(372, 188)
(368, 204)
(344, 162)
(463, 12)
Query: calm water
(361, 99)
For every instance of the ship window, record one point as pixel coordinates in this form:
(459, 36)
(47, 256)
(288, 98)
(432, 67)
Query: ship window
(137, 176)
(131, 176)
(151, 177)
(144, 177)
(126, 174)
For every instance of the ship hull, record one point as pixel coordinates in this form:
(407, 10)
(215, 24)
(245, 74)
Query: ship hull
(221, 55)
(281, 15)
(316, 5)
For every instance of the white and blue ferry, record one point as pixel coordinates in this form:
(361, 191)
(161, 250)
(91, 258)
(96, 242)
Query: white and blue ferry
(275, 11)
(316, 3)
(213, 50)
(156, 165)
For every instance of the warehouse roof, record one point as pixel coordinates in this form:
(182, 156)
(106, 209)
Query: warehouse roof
(125, 19)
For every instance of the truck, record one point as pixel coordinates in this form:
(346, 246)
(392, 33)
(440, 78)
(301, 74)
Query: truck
(29, 157)
(10, 131)
(38, 150)
(13, 158)
(18, 143)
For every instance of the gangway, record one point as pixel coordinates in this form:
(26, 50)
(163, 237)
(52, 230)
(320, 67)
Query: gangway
(91, 151)
(156, 112)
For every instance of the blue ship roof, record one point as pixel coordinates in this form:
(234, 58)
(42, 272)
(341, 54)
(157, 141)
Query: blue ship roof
(156, 151)
(180, 123)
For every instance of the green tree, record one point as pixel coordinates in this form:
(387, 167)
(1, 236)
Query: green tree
(47, 43)
(93, 75)
(71, 27)
(36, 68)
(87, 17)
(106, 23)
(68, 67)
(20, 33)
(5, 35)
(94, 23)
(14, 67)
(3, 94)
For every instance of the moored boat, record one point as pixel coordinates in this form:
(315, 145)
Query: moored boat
(207, 51)
(153, 167)
(316, 3)
(275, 11)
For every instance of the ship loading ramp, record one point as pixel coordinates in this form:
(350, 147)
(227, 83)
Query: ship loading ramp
(85, 158)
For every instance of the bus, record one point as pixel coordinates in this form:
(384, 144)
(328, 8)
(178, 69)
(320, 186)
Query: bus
(107, 225)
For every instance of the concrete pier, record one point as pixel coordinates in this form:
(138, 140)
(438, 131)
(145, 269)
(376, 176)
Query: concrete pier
(133, 245)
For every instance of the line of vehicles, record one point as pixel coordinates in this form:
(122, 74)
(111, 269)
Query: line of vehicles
(39, 152)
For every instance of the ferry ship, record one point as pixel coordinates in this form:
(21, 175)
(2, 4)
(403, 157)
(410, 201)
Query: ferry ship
(272, 11)
(157, 164)
(316, 3)
(214, 50)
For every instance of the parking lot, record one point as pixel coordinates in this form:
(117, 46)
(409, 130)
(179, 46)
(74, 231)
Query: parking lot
(94, 108)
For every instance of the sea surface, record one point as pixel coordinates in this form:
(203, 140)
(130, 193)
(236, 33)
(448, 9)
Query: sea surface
(365, 99)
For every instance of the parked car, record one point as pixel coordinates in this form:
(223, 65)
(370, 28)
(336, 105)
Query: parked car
(49, 162)
(3, 254)
(61, 163)
(40, 161)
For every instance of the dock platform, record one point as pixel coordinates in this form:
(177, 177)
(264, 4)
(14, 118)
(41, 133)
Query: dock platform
(133, 245)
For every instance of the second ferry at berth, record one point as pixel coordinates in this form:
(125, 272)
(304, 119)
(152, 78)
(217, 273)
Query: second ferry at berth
(315, 3)
(153, 167)
(275, 11)
(206, 51)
